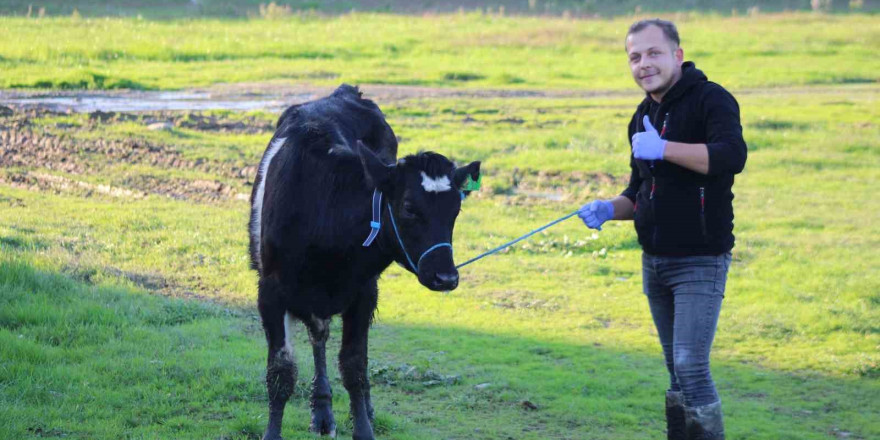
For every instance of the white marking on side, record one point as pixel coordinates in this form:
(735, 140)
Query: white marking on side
(257, 209)
(438, 184)
(288, 333)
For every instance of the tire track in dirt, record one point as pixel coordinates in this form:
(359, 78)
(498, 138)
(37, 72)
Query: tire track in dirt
(25, 147)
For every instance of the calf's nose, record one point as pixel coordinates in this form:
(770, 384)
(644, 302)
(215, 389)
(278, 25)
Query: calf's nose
(446, 280)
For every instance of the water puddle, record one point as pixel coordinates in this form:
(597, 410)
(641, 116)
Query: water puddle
(80, 102)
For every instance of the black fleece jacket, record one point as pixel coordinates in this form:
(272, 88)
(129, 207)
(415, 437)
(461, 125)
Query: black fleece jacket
(680, 212)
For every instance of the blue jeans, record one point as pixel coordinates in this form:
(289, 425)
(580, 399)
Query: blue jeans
(685, 295)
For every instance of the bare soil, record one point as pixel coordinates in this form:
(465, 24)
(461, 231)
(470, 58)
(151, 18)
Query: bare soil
(33, 156)
(53, 158)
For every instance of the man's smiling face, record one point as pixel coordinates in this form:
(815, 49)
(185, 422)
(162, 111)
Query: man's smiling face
(654, 60)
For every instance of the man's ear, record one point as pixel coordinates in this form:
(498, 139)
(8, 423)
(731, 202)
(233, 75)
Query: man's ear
(378, 174)
(467, 178)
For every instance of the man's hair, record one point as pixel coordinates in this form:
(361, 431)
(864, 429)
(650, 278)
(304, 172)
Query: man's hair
(667, 27)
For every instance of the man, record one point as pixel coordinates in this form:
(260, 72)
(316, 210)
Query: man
(680, 197)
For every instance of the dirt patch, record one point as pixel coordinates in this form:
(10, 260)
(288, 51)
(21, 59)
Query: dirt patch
(36, 181)
(136, 187)
(28, 143)
(243, 124)
(24, 145)
(182, 189)
(520, 299)
(27, 147)
(559, 179)
(249, 125)
(531, 186)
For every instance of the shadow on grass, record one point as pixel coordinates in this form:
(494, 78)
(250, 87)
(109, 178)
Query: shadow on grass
(19, 243)
(99, 361)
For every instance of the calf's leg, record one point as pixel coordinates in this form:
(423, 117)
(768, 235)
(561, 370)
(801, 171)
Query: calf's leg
(280, 366)
(353, 361)
(321, 401)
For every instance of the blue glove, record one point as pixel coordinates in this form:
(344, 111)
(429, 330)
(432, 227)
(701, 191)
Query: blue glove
(648, 145)
(596, 212)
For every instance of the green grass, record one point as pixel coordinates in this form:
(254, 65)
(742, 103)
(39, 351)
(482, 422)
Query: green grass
(464, 50)
(95, 360)
(127, 317)
(556, 321)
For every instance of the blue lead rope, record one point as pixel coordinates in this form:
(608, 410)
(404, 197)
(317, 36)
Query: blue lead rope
(375, 225)
(513, 242)
(415, 267)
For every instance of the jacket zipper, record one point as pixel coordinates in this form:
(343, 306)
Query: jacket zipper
(665, 121)
(703, 213)
(654, 186)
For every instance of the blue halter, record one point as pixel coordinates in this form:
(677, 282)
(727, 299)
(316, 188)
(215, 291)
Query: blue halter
(376, 224)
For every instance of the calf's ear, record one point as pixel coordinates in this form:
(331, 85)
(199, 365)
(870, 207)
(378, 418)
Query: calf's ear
(467, 178)
(379, 175)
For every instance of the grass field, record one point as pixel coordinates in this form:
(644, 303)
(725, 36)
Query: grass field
(239, 9)
(126, 303)
(462, 50)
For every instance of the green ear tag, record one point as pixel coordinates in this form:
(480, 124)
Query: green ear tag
(471, 185)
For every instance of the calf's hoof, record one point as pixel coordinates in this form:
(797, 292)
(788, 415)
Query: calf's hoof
(272, 436)
(363, 434)
(323, 423)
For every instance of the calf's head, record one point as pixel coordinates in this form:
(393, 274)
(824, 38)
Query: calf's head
(423, 195)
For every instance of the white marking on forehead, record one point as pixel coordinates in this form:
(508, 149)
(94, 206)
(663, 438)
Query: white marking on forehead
(438, 184)
(257, 209)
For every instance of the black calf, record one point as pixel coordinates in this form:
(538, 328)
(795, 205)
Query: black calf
(327, 181)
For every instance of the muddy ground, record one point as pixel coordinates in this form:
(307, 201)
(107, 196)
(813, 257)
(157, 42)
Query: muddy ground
(40, 149)
(271, 96)
(50, 158)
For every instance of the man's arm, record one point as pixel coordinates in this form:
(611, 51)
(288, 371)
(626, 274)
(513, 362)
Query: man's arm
(623, 208)
(694, 157)
(726, 149)
(625, 202)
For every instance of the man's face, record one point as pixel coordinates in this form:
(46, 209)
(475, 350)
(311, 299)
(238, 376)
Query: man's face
(654, 61)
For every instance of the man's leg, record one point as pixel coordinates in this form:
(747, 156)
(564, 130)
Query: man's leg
(662, 304)
(698, 285)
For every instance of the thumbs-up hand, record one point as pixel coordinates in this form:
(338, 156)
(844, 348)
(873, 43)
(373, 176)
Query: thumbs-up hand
(647, 145)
